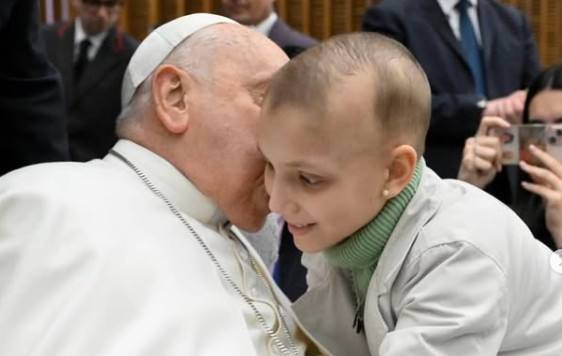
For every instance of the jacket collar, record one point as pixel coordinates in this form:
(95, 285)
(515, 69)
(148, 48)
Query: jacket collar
(423, 206)
(448, 6)
(108, 56)
(436, 18)
(170, 182)
(266, 25)
(80, 35)
(421, 209)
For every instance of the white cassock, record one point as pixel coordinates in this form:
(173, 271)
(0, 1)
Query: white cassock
(92, 262)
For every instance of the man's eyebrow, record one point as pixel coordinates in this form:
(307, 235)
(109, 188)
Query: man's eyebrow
(261, 79)
(259, 83)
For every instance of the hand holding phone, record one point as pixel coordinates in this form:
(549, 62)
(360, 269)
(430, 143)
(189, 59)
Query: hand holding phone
(546, 179)
(482, 153)
(516, 140)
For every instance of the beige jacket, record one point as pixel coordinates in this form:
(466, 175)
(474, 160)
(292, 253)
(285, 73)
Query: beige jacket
(460, 275)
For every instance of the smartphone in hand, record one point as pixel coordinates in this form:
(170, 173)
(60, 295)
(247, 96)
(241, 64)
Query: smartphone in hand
(516, 140)
(554, 141)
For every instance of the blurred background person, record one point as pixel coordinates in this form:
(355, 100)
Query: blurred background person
(91, 54)
(478, 54)
(31, 98)
(537, 193)
(261, 15)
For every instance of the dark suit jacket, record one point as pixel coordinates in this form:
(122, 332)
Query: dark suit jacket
(31, 99)
(94, 105)
(291, 41)
(510, 60)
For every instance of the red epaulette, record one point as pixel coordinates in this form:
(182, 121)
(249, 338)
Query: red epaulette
(119, 44)
(62, 29)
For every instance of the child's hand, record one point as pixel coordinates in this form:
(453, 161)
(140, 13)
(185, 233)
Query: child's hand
(482, 154)
(547, 182)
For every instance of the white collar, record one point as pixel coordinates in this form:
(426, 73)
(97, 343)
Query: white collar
(80, 35)
(171, 183)
(266, 25)
(448, 6)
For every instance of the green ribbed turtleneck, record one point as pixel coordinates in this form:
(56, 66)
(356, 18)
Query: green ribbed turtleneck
(360, 252)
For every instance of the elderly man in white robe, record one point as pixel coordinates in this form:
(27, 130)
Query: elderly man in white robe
(136, 254)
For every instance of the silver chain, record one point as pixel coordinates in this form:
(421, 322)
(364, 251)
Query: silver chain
(285, 350)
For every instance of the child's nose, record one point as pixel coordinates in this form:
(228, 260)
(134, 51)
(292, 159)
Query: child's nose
(280, 201)
(275, 199)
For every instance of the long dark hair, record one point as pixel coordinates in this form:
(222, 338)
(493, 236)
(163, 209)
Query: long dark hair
(550, 78)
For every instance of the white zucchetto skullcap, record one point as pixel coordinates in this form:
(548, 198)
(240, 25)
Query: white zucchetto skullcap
(158, 45)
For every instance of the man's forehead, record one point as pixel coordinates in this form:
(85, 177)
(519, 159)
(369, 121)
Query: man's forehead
(256, 66)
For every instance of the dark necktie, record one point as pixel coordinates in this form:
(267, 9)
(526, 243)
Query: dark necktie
(471, 48)
(82, 60)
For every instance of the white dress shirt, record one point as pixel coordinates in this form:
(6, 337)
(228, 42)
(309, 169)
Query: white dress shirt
(448, 7)
(95, 40)
(266, 25)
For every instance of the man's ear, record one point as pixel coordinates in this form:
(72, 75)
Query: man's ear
(401, 170)
(170, 89)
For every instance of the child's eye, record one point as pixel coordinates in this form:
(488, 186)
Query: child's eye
(269, 166)
(308, 180)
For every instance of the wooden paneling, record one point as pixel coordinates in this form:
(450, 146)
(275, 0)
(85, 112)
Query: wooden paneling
(341, 16)
(60, 9)
(170, 9)
(320, 13)
(142, 16)
(324, 18)
(546, 19)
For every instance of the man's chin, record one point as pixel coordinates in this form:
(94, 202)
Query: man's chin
(242, 19)
(94, 29)
(251, 227)
(252, 223)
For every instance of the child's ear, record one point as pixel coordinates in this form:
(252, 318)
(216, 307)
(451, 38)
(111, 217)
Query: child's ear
(170, 90)
(400, 171)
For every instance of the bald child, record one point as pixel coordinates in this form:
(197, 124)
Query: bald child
(400, 262)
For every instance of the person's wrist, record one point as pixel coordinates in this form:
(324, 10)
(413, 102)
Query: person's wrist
(467, 175)
(557, 237)
(482, 104)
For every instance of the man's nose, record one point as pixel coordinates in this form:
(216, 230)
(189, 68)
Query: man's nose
(103, 12)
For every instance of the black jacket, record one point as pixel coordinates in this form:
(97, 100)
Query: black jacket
(93, 107)
(510, 61)
(31, 98)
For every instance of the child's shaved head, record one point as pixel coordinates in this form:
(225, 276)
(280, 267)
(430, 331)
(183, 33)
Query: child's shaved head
(401, 97)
